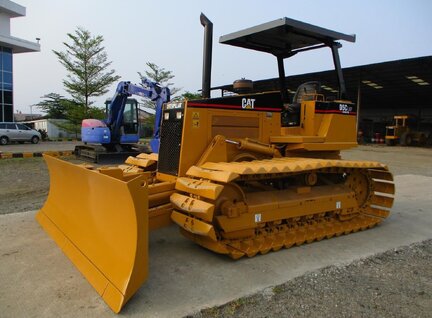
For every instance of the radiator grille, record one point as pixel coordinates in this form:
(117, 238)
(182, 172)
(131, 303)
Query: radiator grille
(170, 142)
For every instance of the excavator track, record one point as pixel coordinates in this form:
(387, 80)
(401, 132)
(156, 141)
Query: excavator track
(249, 208)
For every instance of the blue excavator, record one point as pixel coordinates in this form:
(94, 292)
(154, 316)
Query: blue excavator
(116, 137)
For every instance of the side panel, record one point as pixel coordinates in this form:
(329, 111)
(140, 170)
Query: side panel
(337, 121)
(324, 126)
(129, 139)
(256, 117)
(96, 135)
(235, 126)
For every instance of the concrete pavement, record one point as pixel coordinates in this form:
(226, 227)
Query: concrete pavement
(37, 280)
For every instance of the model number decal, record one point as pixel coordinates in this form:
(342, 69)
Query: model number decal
(174, 105)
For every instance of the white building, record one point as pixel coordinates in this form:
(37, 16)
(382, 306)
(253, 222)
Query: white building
(52, 127)
(9, 46)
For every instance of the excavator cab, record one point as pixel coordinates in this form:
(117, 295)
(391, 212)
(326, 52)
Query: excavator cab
(130, 119)
(130, 116)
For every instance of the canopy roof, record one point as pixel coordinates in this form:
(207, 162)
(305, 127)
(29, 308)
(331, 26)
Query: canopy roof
(283, 37)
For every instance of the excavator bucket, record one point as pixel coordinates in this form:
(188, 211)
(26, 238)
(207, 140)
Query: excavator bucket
(101, 224)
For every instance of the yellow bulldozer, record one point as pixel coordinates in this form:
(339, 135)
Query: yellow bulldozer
(240, 175)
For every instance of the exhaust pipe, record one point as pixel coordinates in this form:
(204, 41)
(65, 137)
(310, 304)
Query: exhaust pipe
(207, 55)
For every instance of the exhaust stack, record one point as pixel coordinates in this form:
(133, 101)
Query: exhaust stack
(207, 55)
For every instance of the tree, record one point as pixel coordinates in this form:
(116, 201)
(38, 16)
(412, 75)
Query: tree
(163, 77)
(191, 96)
(75, 113)
(87, 63)
(58, 107)
(54, 105)
(159, 75)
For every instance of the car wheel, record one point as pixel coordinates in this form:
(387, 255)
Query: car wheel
(35, 140)
(4, 140)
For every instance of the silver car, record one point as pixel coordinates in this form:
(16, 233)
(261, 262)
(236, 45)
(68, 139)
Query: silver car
(17, 132)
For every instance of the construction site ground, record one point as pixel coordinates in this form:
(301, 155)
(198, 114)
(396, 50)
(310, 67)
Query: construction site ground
(385, 271)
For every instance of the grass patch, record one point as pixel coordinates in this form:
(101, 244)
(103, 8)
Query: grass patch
(278, 289)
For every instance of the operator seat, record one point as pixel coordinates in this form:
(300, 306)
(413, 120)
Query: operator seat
(291, 112)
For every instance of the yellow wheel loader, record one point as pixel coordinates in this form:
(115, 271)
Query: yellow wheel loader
(402, 132)
(240, 175)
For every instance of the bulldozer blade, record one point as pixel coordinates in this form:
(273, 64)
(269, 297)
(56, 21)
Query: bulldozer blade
(101, 224)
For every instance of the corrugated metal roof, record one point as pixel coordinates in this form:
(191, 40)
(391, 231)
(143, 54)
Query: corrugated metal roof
(398, 83)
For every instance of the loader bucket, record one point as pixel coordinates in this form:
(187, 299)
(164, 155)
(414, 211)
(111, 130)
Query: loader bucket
(101, 224)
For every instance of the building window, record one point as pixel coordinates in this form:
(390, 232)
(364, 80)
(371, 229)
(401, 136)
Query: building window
(6, 84)
(7, 59)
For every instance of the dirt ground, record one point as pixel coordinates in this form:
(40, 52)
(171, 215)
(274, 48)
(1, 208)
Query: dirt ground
(24, 184)
(397, 283)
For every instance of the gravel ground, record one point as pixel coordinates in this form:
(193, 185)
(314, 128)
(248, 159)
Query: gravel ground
(24, 184)
(397, 283)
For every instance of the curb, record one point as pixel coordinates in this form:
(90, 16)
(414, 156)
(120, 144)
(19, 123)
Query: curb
(62, 139)
(10, 155)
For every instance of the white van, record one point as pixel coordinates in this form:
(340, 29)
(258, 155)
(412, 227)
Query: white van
(17, 132)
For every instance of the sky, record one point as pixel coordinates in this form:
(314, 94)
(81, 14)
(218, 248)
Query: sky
(169, 34)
